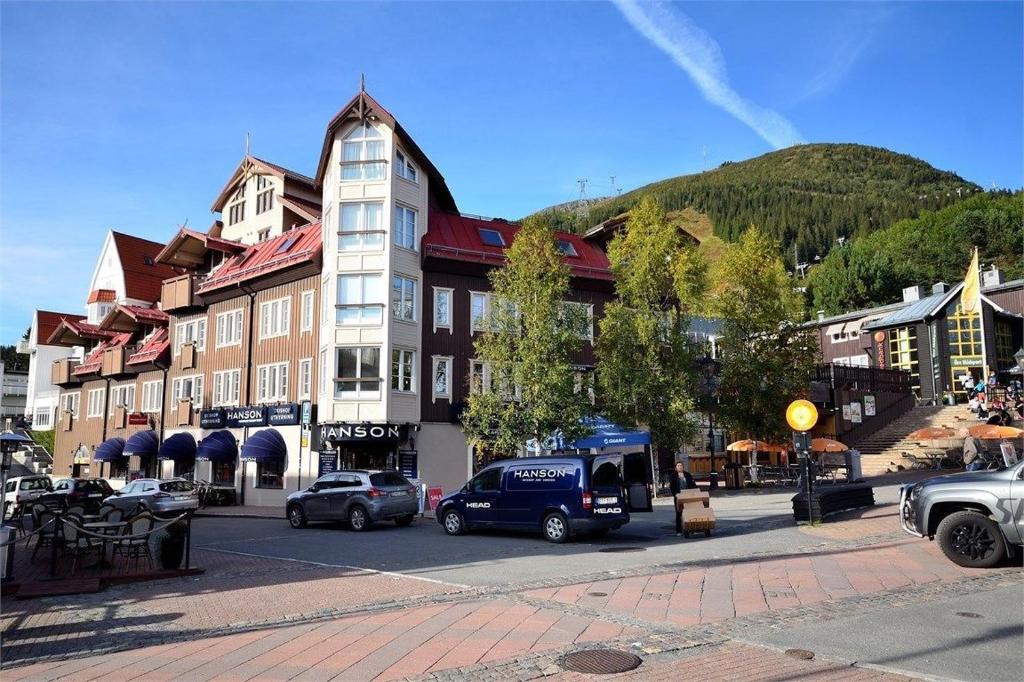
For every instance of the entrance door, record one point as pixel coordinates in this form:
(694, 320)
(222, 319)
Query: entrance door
(483, 498)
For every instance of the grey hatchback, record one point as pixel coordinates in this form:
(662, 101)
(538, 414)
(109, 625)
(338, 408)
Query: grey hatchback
(356, 496)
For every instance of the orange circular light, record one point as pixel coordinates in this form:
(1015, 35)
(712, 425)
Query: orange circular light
(801, 415)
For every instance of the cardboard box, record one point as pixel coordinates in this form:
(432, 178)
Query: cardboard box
(692, 497)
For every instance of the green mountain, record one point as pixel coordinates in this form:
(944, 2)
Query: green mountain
(808, 195)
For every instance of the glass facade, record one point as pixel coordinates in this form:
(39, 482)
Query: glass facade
(903, 354)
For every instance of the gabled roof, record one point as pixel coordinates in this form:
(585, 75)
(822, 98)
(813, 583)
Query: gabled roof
(363, 107)
(249, 164)
(94, 361)
(125, 318)
(101, 296)
(143, 276)
(310, 210)
(48, 321)
(295, 247)
(457, 237)
(76, 333)
(188, 248)
(152, 351)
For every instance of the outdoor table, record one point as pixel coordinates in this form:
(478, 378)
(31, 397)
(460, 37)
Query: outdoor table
(110, 530)
(936, 457)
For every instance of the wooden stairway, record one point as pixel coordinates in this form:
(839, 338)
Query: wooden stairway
(882, 451)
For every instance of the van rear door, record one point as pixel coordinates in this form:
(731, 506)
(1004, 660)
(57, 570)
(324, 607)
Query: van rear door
(637, 478)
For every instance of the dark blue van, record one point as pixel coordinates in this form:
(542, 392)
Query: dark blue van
(558, 496)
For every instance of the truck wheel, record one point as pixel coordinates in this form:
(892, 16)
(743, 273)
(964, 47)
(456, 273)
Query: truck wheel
(556, 528)
(971, 539)
(296, 517)
(357, 519)
(453, 523)
(404, 521)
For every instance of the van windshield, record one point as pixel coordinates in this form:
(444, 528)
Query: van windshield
(604, 473)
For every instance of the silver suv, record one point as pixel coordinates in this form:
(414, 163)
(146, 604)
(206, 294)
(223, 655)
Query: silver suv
(358, 497)
(976, 516)
(163, 497)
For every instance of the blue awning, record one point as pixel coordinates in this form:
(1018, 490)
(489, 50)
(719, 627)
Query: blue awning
(142, 444)
(110, 450)
(606, 434)
(219, 446)
(180, 446)
(264, 446)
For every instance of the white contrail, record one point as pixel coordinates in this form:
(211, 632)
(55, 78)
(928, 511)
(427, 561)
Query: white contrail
(698, 54)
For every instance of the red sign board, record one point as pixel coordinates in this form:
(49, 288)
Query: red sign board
(138, 418)
(434, 496)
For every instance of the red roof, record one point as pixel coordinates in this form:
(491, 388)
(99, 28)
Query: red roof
(142, 274)
(136, 313)
(457, 237)
(289, 249)
(94, 361)
(169, 253)
(102, 296)
(47, 323)
(79, 328)
(156, 346)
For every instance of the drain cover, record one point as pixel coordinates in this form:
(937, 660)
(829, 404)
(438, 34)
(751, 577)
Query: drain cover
(597, 594)
(600, 661)
(969, 614)
(622, 549)
(802, 654)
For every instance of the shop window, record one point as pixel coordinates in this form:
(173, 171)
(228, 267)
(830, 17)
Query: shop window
(223, 473)
(270, 474)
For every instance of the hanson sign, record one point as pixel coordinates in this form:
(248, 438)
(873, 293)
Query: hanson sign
(344, 432)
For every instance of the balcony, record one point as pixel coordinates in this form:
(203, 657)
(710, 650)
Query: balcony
(178, 293)
(67, 421)
(183, 413)
(188, 356)
(62, 372)
(120, 417)
(114, 361)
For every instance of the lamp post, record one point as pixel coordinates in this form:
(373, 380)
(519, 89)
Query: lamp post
(709, 387)
(802, 415)
(9, 444)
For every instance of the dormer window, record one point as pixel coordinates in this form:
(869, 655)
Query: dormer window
(491, 237)
(363, 154)
(264, 194)
(236, 207)
(404, 168)
(566, 248)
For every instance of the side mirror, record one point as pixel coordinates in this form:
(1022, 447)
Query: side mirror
(312, 489)
(117, 493)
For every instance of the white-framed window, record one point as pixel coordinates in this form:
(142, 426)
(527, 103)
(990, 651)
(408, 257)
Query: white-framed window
(442, 377)
(403, 370)
(404, 168)
(272, 383)
(95, 405)
(585, 312)
(362, 154)
(187, 387)
(41, 418)
(122, 395)
(442, 308)
(306, 311)
(362, 226)
(322, 384)
(70, 402)
(236, 206)
(405, 227)
(305, 378)
(483, 377)
(152, 395)
(263, 235)
(325, 300)
(360, 299)
(190, 332)
(264, 194)
(227, 387)
(479, 311)
(275, 318)
(229, 328)
(403, 298)
(479, 376)
(357, 373)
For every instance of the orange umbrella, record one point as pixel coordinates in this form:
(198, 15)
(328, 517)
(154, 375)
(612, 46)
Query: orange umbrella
(749, 445)
(827, 445)
(931, 433)
(995, 432)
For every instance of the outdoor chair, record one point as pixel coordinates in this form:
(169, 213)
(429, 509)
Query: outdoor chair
(135, 548)
(104, 510)
(46, 523)
(76, 543)
(111, 514)
(77, 510)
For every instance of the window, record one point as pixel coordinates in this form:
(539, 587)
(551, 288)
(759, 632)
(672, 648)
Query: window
(275, 318)
(360, 299)
(479, 311)
(186, 388)
(405, 227)
(190, 332)
(442, 373)
(362, 227)
(122, 396)
(358, 373)
(236, 209)
(442, 309)
(403, 372)
(41, 418)
(403, 298)
(95, 407)
(224, 472)
(286, 245)
(264, 194)
(325, 300)
(404, 167)
(152, 396)
(306, 312)
(579, 319)
(272, 383)
(486, 481)
(229, 328)
(70, 402)
(270, 474)
(305, 378)
(903, 353)
(491, 237)
(479, 377)
(566, 248)
(263, 235)
(362, 154)
(226, 387)
(323, 371)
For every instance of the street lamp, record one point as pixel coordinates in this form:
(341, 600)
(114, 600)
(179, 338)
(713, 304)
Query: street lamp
(802, 415)
(709, 368)
(9, 444)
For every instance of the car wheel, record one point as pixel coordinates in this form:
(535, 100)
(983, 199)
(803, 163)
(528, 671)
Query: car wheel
(404, 521)
(357, 519)
(453, 524)
(971, 539)
(296, 517)
(556, 528)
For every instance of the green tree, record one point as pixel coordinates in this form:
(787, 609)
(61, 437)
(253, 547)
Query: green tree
(645, 366)
(532, 389)
(766, 356)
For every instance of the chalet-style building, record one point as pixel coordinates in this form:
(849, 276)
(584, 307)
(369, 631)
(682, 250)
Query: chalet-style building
(42, 395)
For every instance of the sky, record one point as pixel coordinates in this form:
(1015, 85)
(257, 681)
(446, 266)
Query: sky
(131, 116)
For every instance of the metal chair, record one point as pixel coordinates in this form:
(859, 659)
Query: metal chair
(104, 510)
(111, 514)
(46, 523)
(76, 509)
(75, 543)
(135, 548)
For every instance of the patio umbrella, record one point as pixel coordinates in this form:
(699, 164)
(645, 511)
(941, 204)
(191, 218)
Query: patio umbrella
(827, 445)
(995, 432)
(751, 446)
(931, 433)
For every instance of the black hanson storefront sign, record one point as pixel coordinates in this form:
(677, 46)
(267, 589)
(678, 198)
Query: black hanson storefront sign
(362, 432)
(252, 415)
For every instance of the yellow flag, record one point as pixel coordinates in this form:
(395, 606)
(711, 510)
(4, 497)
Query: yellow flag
(970, 295)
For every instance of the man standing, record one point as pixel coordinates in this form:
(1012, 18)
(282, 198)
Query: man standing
(972, 461)
(680, 480)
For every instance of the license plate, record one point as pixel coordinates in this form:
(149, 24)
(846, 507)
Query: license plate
(399, 493)
(607, 500)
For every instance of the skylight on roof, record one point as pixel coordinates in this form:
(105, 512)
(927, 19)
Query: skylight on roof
(566, 247)
(491, 237)
(287, 244)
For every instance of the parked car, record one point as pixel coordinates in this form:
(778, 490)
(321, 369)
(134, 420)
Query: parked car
(162, 497)
(976, 516)
(357, 497)
(86, 492)
(22, 490)
(557, 496)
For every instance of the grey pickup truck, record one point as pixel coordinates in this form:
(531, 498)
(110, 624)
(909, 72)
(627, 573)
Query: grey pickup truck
(976, 516)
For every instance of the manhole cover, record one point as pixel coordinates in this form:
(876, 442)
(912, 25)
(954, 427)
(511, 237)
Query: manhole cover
(802, 654)
(597, 594)
(969, 614)
(600, 661)
(614, 550)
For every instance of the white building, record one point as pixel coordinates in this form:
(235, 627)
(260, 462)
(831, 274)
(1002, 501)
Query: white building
(42, 394)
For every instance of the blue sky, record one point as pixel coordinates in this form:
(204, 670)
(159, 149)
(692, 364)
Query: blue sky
(131, 116)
